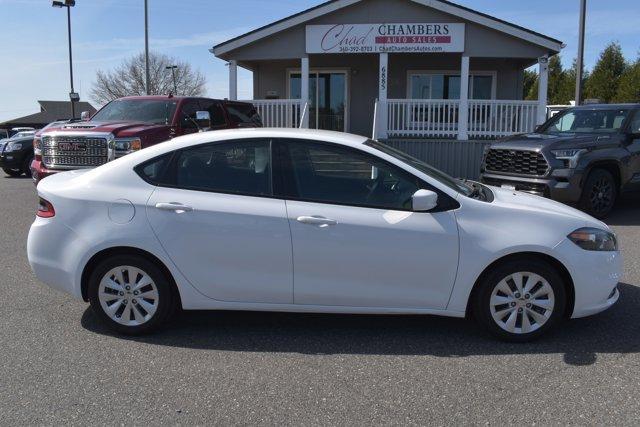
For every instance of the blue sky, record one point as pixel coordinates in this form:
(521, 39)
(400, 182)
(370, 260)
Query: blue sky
(33, 41)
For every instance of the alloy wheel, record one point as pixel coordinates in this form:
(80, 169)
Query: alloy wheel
(128, 295)
(522, 302)
(601, 195)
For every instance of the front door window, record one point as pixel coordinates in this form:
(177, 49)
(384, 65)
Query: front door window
(327, 99)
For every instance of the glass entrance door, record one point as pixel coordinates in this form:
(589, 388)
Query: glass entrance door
(327, 98)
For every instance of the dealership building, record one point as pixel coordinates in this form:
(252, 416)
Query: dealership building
(429, 76)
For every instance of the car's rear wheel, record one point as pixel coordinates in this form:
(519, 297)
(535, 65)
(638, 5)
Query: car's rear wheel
(130, 294)
(12, 172)
(520, 300)
(599, 193)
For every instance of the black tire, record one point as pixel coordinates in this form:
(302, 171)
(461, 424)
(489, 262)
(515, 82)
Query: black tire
(599, 193)
(12, 172)
(166, 303)
(482, 308)
(26, 167)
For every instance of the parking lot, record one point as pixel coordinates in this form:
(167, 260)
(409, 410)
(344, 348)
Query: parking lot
(59, 365)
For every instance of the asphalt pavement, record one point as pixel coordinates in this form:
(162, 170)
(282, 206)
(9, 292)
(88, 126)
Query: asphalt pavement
(59, 365)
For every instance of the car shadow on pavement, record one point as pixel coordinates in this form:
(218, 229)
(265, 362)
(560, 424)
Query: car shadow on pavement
(614, 331)
(626, 211)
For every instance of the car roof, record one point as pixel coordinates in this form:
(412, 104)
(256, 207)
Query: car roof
(175, 98)
(606, 106)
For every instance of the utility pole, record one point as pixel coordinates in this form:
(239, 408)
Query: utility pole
(73, 96)
(146, 47)
(173, 73)
(580, 60)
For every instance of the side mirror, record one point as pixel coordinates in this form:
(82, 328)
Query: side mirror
(537, 129)
(424, 200)
(85, 116)
(203, 119)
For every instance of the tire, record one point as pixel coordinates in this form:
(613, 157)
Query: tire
(126, 316)
(26, 167)
(502, 313)
(12, 172)
(599, 193)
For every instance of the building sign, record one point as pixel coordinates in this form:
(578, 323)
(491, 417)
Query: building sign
(376, 38)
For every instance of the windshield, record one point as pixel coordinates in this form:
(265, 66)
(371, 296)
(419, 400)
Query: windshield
(586, 121)
(155, 111)
(453, 183)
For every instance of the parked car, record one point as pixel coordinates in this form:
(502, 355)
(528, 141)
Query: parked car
(15, 131)
(584, 155)
(129, 124)
(16, 154)
(230, 220)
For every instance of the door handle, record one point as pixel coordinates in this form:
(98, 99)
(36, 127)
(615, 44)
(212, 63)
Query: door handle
(317, 220)
(173, 206)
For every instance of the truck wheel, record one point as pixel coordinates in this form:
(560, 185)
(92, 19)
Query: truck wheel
(599, 193)
(12, 172)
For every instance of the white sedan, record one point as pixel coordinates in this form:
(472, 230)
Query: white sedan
(313, 221)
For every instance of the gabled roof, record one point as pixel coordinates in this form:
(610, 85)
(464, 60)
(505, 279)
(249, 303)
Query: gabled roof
(50, 111)
(445, 6)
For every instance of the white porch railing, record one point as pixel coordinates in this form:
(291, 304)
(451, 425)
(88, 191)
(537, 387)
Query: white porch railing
(281, 113)
(439, 117)
(422, 117)
(495, 118)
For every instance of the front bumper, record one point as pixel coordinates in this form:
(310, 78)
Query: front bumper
(11, 160)
(39, 171)
(563, 185)
(595, 277)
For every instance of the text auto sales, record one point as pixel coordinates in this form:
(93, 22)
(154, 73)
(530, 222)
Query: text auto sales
(389, 36)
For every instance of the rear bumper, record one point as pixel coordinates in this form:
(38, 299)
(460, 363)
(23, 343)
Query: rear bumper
(564, 185)
(38, 171)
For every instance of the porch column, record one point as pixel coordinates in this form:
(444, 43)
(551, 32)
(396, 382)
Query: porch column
(543, 82)
(233, 80)
(382, 118)
(463, 108)
(304, 91)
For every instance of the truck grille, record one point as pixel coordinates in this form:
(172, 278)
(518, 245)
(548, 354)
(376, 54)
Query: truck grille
(71, 152)
(517, 162)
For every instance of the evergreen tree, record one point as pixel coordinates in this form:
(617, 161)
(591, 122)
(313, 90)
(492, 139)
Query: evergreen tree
(605, 77)
(629, 85)
(529, 79)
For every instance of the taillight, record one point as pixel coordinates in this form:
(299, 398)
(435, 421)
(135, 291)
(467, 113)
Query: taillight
(37, 142)
(45, 209)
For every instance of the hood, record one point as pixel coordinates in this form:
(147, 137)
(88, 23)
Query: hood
(538, 141)
(118, 128)
(544, 207)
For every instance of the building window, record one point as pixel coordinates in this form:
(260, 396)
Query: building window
(434, 85)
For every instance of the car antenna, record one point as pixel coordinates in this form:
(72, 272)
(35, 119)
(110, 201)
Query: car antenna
(170, 95)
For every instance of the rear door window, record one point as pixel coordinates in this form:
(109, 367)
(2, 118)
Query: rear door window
(236, 167)
(241, 113)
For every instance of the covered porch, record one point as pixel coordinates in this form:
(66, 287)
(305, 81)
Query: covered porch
(445, 96)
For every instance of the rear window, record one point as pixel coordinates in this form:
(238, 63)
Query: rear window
(243, 114)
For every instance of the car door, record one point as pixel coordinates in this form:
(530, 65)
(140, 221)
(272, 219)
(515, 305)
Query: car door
(215, 215)
(633, 146)
(356, 241)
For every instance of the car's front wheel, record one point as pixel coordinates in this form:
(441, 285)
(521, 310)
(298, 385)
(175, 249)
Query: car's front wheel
(520, 300)
(130, 294)
(12, 172)
(599, 193)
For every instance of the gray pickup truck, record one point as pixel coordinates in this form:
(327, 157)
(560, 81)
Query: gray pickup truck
(585, 155)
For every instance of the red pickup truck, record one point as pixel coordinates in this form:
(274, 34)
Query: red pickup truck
(129, 124)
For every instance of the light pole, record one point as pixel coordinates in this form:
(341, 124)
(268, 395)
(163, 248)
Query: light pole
(579, 61)
(173, 73)
(146, 48)
(73, 96)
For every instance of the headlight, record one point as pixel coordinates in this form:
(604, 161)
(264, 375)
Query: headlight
(571, 155)
(128, 145)
(37, 142)
(13, 146)
(594, 239)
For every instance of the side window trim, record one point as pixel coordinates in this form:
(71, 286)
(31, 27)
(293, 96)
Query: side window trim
(283, 169)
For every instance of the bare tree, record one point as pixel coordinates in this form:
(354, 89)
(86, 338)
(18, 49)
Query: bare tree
(128, 79)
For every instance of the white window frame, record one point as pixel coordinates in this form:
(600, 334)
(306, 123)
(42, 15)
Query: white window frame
(492, 74)
(347, 88)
